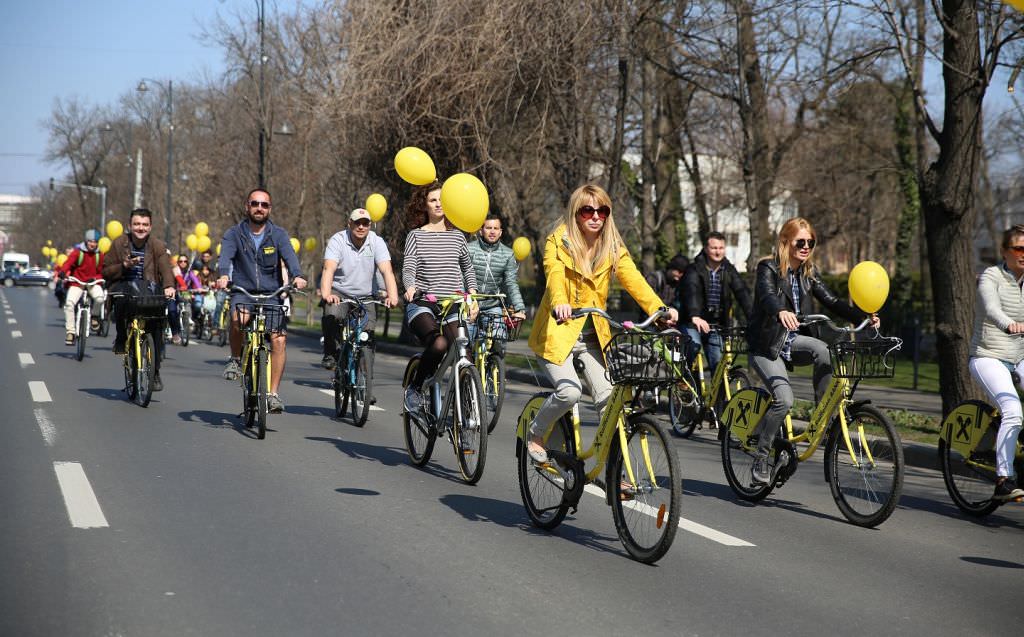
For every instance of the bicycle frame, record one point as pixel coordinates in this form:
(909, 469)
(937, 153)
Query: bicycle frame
(456, 358)
(971, 425)
(351, 334)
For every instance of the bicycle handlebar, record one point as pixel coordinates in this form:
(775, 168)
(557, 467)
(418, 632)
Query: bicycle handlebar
(287, 287)
(813, 319)
(584, 311)
(86, 283)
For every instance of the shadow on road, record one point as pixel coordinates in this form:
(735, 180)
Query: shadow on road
(314, 383)
(949, 510)
(390, 456)
(988, 561)
(219, 420)
(306, 410)
(724, 493)
(70, 355)
(354, 491)
(105, 392)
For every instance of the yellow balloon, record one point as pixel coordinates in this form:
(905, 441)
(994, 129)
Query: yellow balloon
(114, 229)
(465, 202)
(61, 258)
(869, 286)
(46, 251)
(521, 248)
(415, 166)
(49, 242)
(309, 244)
(218, 249)
(203, 243)
(295, 245)
(376, 205)
(202, 229)
(192, 241)
(104, 245)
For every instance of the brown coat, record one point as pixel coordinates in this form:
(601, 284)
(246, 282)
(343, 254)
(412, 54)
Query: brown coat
(156, 266)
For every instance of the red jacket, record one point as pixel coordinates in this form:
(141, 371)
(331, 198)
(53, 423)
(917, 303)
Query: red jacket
(91, 266)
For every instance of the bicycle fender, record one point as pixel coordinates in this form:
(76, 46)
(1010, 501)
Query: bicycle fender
(409, 368)
(526, 417)
(745, 410)
(965, 427)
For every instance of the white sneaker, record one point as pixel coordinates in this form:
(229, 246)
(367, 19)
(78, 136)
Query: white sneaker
(413, 400)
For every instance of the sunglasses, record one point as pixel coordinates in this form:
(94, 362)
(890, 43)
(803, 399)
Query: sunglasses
(360, 222)
(594, 213)
(800, 244)
(260, 204)
(1016, 249)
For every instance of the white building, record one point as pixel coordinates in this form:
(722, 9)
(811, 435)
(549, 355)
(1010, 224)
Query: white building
(11, 209)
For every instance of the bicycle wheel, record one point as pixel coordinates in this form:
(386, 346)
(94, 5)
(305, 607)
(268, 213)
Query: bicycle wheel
(646, 509)
(363, 388)
(684, 409)
(130, 366)
(144, 371)
(262, 372)
(866, 486)
(104, 321)
(343, 389)
(419, 436)
(493, 389)
(223, 325)
(737, 463)
(970, 485)
(185, 318)
(83, 333)
(542, 487)
(470, 432)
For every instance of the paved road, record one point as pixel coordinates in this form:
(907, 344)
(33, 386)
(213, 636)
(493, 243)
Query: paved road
(173, 520)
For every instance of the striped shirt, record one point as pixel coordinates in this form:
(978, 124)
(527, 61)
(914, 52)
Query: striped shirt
(714, 287)
(794, 282)
(438, 262)
(135, 273)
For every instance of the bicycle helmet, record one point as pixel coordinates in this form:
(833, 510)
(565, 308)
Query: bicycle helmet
(92, 235)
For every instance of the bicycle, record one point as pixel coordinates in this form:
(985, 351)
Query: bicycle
(353, 374)
(489, 357)
(184, 302)
(863, 451)
(83, 314)
(642, 481)
(967, 455)
(695, 400)
(261, 320)
(140, 348)
(455, 411)
(223, 323)
(203, 323)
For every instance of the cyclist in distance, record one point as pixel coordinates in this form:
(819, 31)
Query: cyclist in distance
(85, 264)
(786, 285)
(251, 256)
(352, 259)
(580, 258)
(497, 272)
(996, 352)
(436, 262)
(710, 284)
(137, 263)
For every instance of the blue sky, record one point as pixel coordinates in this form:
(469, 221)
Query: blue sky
(93, 49)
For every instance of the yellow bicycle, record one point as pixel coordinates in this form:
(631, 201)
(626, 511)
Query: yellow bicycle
(863, 450)
(140, 348)
(258, 321)
(694, 400)
(641, 482)
(493, 330)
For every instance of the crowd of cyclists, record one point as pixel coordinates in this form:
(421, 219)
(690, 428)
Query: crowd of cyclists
(581, 257)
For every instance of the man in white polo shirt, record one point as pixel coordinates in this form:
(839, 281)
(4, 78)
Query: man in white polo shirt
(351, 262)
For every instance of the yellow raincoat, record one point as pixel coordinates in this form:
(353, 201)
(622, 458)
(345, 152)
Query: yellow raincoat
(566, 285)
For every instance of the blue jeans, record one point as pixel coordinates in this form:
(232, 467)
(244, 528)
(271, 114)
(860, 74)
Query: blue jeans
(711, 343)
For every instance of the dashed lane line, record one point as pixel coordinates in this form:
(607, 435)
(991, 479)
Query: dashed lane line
(687, 525)
(15, 333)
(12, 321)
(80, 500)
(25, 359)
(46, 426)
(330, 392)
(39, 392)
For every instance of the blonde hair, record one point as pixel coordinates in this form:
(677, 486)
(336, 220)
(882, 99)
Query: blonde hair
(787, 232)
(608, 242)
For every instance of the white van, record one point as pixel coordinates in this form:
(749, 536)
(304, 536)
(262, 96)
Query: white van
(15, 261)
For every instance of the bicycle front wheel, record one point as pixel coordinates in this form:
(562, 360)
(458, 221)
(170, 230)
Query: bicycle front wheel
(493, 388)
(866, 483)
(970, 485)
(362, 391)
(130, 376)
(83, 333)
(186, 326)
(543, 486)
(645, 506)
(223, 325)
(737, 462)
(684, 409)
(470, 431)
(262, 371)
(145, 370)
(419, 437)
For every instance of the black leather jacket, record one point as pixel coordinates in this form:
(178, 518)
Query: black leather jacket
(773, 294)
(694, 290)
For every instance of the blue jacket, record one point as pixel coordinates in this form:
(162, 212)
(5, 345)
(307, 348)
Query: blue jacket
(257, 270)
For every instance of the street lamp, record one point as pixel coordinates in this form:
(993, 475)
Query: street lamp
(101, 190)
(169, 88)
(262, 106)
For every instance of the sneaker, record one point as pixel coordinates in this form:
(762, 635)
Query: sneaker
(759, 474)
(413, 400)
(95, 325)
(274, 404)
(69, 338)
(1006, 490)
(118, 348)
(328, 362)
(537, 452)
(158, 385)
(176, 339)
(232, 370)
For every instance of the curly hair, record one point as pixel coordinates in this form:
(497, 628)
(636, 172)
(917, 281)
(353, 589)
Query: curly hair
(416, 209)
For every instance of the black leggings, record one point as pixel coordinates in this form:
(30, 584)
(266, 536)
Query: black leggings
(424, 327)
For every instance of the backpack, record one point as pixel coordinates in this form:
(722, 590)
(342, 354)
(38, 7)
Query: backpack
(81, 257)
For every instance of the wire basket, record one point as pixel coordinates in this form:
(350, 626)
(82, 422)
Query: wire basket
(273, 315)
(145, 306)
(873, 358)
(736, 338)
(645, 359)
(498, 326)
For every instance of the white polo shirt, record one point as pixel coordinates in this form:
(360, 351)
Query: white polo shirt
(355, 274)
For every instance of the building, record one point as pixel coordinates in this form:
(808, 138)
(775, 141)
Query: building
(12, 207)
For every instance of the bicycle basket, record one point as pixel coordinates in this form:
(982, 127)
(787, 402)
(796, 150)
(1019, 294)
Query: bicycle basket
(873, 358)
(498, 326)
(736, 337)
(210, 302)
(272, 313)
(146, 306)
(645, 359)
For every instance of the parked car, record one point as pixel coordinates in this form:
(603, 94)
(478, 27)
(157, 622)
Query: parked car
(32, 276)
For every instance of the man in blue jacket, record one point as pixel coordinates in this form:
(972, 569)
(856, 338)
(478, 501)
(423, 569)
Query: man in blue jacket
(251, 254)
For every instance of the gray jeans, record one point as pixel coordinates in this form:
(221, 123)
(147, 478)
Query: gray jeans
(805, 350)
(568, 388)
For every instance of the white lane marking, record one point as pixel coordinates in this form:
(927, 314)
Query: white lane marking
(12, 321)
(46, 426)
(83, 508)
(8, 311)
(39, 392)
(685, 524)
(15, 333)
(330, 392)
(25, 359)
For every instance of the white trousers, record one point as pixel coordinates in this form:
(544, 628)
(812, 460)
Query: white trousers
(994, 377)
(75, 293)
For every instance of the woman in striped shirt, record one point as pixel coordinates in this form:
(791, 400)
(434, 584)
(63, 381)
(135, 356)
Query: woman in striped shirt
(436, 262)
